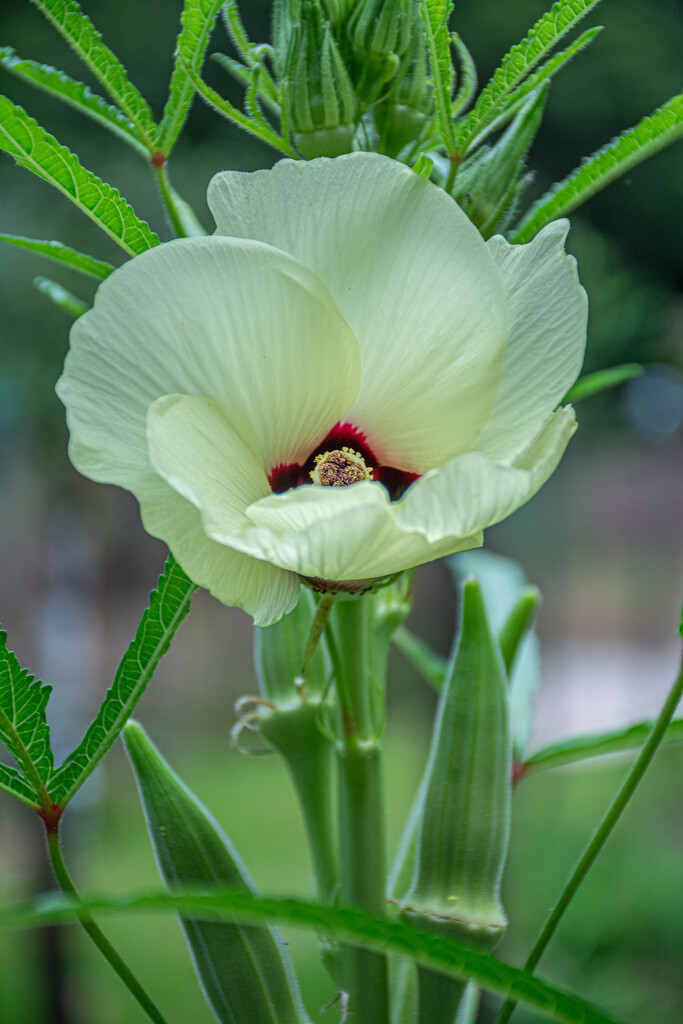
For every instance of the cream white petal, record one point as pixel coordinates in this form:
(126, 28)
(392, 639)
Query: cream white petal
(262, 590)
(231, 319)
(208, 453)
(335, 533)
(547, 337)
(412, 277)
(473, 491)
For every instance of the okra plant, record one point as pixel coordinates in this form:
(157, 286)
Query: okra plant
(371, 360)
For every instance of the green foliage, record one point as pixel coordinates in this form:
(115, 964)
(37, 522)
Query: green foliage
(169, 604)
(24, 730)
(79, 32)
(198, 19)
(467, 75)
(65, 300)
(245, 972)
(62, 254)
(601, 380)
(650, 135)
(520, 60)
(34, 148)
(77, 95)
(435, 14)
(579, 748)
(353, 926)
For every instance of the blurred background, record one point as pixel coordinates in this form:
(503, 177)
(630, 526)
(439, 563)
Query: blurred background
(602, 540)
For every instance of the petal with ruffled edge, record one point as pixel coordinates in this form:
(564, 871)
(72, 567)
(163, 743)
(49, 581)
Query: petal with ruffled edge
(333, 533)
(548, 314)
(191, 437)
(411, 275)
(262, 590)
(472, 491)
(234, 320)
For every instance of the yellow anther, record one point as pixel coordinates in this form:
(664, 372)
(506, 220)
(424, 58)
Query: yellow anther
(339, 468)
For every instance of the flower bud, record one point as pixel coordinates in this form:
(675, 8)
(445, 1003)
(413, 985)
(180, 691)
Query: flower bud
(321, 103)
(379, 32)
(403, 116)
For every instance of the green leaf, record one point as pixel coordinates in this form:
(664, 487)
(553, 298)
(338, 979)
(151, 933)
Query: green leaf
(34, 148)
(593, 383)
(24, 730)
(639, 143)
(226, 109)
(520, 60)
(75, 94)
(197, 21)
(431, 666)
(62, 254)
(353, 926)
(168, 606)
(435, 14)
(245, 972)
(516, 626)
(467, 73)
(71, 304)
(580, 748)
(79, 32)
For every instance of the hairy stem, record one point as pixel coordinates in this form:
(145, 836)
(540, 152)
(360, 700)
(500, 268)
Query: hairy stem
(602, 833)
(103, 944)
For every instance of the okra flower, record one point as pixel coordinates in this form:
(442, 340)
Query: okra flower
(347, 326)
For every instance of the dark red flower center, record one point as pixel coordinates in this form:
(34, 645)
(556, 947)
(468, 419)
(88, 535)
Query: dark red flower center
(343, 437)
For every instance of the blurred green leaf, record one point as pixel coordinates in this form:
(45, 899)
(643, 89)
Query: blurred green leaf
(197, 20)
(71, 304)
(34, 148)
(353, 926)
(636, 144)
(580, 748)
(431, 666)
(593, 383)
(520, 60)
(77, 95)
(168, 606)
(435, 14)
(24, 730)
(516, 626)
(467, 75)
(245, 972)
(79, 32)
(62, 254)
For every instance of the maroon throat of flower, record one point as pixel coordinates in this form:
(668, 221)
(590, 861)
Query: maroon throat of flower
(344, 457)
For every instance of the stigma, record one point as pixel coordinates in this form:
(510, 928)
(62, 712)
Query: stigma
(340, 467)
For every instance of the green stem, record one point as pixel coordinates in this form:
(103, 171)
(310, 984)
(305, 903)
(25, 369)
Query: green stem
(602, 833)
(100, 940)
(169, 198)
(362, 860)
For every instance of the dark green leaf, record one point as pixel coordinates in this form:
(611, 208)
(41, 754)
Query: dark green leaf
(34, 148)
(593, 383)
(579, 748)
(352, 926)
(169, 604)
(520, 60)
(75, 94)
(62, 254)
(198, 19)
(24, 730)
(645, 139)
(72, 306)
(77, 29)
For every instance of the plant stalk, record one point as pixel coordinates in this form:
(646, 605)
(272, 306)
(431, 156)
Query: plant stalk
(602, 833)
(101, 941)
(169, 198)
(362, 856)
